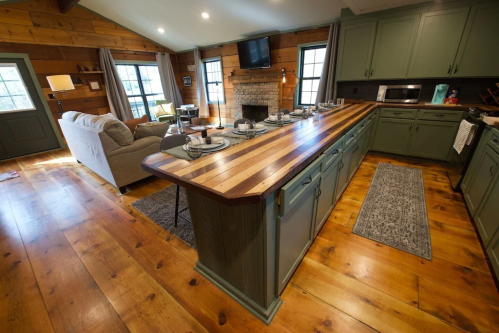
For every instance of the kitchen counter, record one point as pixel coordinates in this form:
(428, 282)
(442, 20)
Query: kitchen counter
(249, 172)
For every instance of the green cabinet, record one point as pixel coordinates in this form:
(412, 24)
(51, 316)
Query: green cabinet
(326, 199)
(493, 253)
(343, 172)
(481, 178)
(433, 139)
(355, 51)
(487, 216)
(393, 47)
(437, 42)
(392, 135)
(358, 154)
(487, 134)
(477, 55)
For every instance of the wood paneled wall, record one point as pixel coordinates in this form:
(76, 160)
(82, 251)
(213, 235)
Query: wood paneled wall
(68, 40)
(284, 53)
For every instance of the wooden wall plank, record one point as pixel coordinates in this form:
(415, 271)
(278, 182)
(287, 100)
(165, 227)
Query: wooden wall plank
(15, 16)
(52, 21)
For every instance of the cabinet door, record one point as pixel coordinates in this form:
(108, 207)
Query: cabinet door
(295, 235)
(433, 139)
(327, 191)
(357, 155)
(487, 134)
(344, 170)
(393, 47)
(493, 252)
(437, 42)
(481, 179)
(477, 55)
(487, 216)
(392, 135)
(355, 51)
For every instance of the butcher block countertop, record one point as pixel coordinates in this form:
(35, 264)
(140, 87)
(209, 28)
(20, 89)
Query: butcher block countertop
(249, 172)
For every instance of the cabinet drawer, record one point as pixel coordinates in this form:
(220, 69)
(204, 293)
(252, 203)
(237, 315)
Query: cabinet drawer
(371, 117)
(362, 126)
(350, 136)
(440, 115)
(494, 140)
(332, 153)
(398, 113)
(292, 192)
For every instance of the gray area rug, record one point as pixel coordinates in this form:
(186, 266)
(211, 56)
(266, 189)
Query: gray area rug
(160, 208)
(394, 211)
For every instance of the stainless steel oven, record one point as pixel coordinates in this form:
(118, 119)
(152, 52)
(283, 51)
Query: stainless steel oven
(399, 94)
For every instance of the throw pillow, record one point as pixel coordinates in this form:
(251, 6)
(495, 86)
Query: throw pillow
(119, 132)
(90, 120)
(158, 111)
(71, 115)
(132, 123)
(169, 108)
(151, 129)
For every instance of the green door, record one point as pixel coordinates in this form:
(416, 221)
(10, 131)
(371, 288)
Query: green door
(481, 179)
(437, 42)
(487, 217)
(344, 170)
(355, 51)
(24, 125)
(477, 55)
(392, 135)
(433, 139)
(393, 47)
(327, 191)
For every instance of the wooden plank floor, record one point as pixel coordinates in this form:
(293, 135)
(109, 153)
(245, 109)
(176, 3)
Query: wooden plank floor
(76, 257)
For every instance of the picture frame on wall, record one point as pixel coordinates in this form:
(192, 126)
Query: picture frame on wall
(187, 81)
(94, 86)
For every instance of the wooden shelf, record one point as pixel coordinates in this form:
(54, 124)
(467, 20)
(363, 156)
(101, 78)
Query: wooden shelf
(91, 72)
(492, 97)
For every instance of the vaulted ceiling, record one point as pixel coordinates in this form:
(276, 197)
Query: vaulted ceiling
(229, 20)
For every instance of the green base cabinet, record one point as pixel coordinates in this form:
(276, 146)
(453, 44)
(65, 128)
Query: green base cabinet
(487, 216)
(433, 139)
(355, 51)
(481, 179)
(343, 172)
(477, 55)
(326, 200)
(437, 43)
(392, 135)
(493, 253)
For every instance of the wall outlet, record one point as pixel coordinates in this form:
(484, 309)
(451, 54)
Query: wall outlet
(354, 90)
(51, 96)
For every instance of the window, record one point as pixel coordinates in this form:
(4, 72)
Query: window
(312, 62)
(143, 87)
(214, 81)
(13, 93)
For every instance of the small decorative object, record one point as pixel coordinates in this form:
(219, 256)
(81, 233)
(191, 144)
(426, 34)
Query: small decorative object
(191, 68)
(94, 86)
(316, 116)
(440, 93)
(97, 68)
(280, 119)
(305, 113)
(193, 149)
(80, 69)
(250, 129)
(204, 134)
(86, 69)
(208, 140)
(451, 98)
(187, 81)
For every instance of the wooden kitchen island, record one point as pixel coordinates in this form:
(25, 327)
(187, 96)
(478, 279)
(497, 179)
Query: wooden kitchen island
(256, 207)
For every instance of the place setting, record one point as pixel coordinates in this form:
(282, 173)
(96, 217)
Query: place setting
(196, 147)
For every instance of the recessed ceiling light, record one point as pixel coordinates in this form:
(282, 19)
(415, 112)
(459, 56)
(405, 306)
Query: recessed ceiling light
(205, 15)
(161, 30)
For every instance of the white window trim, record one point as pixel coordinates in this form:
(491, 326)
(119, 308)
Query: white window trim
(26, 88)
(204, 76)
(298, 72)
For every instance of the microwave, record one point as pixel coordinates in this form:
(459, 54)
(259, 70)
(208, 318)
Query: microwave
(399, 94)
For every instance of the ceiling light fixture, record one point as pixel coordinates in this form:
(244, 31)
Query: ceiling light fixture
(205, 15)
(161, 30)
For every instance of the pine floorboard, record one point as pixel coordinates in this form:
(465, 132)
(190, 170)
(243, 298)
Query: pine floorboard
(75, 256)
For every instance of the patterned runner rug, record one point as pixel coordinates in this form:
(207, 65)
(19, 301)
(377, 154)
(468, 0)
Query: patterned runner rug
(394, 211)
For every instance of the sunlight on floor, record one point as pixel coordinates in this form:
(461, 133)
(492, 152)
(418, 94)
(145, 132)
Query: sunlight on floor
(58, 161)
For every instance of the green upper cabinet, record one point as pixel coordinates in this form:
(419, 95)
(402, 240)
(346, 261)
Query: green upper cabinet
(355, 51)
(433, 139)
(437, 42)
(393, 47)
(477, 55)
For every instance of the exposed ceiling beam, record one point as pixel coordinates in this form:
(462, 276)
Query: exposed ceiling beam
(66, 5)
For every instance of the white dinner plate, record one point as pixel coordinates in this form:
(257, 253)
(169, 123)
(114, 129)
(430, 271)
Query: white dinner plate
(224, 145)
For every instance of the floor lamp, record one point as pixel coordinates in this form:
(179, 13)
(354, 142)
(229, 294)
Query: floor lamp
(219, 116)
(60, 83)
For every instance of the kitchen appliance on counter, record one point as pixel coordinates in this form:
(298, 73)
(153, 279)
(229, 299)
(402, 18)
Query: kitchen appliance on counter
(459, 163)
(407, 94)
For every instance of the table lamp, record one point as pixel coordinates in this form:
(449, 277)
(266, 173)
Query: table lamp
(60, 83)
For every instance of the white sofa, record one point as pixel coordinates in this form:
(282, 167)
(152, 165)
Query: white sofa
(118, 164)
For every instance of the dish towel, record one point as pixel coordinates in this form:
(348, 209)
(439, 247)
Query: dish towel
(464, 136)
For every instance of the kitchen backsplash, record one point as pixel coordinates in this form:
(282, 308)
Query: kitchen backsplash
(469, 88)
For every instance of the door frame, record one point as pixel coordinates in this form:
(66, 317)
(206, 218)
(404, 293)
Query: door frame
(39, 90)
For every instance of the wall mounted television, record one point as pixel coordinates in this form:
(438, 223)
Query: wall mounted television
(254, 53)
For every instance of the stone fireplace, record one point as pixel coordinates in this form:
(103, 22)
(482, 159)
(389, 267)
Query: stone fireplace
(253, 96)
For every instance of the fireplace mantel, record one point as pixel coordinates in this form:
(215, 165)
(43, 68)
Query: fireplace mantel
(256, 76)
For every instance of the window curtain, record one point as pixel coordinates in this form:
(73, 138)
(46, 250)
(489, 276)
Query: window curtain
(204, 111)
(327, 85)
(116, 94)
(167, 76)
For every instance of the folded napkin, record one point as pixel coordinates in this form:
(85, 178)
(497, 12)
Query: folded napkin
(198, 128)
(217, 139)
(259, 126)
(464, 135)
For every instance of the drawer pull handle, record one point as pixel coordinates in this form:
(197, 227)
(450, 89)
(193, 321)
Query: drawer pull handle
(336, 152)
(492, 170)
(417, 128)
(308, 181)
(319, 194)
(450, 68)
(365, 74)
(455, 70)
(495, 140)
(410, 128)
(397, 113)
(440, 115)
(341, 165)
